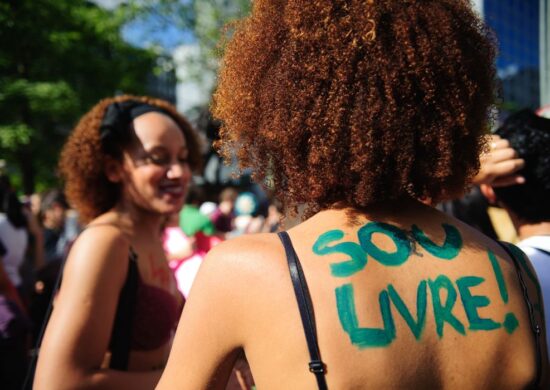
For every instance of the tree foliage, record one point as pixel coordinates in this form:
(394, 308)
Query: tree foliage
(57, 58)
(205, 23)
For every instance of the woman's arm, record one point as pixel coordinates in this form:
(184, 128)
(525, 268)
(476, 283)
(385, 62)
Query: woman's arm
(78, 333)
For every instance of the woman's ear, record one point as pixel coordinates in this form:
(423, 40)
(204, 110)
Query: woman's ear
(112, 169)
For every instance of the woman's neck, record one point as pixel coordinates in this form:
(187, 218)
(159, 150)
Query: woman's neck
(136, 222)
(533, 229)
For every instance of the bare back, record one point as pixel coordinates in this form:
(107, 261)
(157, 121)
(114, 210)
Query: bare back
(412, 299)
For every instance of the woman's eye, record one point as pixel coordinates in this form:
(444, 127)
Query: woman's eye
(158, 160)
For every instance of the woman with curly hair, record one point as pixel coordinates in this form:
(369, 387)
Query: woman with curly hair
(127, 166)
(360, 114)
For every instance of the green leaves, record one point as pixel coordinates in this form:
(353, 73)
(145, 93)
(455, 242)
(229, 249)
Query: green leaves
(55, 99)
(14, 135)
(57, 59)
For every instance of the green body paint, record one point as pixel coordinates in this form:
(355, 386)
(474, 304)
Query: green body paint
(417, 327)
(358, 258)
(443, 313)
(397, 235)
(510, 323)
(473, 302)
(450, 248)
(500, 279)
(364, 337)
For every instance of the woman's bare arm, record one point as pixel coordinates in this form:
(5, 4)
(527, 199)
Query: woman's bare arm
(79, 330)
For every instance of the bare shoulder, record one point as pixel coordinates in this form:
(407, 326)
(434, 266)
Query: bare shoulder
(99, 251)
(246, 252)
(240, 265)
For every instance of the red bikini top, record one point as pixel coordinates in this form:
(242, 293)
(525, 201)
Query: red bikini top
(153, 315)
(156, 315)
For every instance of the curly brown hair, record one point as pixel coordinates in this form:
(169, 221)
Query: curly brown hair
(355, 101)
(83, 158)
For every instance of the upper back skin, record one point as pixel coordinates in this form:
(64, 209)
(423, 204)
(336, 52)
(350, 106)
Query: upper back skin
(454, 318)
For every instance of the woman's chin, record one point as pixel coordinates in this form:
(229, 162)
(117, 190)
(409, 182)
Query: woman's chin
(172, 206)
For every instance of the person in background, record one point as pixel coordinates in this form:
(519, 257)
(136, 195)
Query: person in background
(191, 220)
(181, 252)
(127, 166)
(197, 226)
(224, 216)
(57, 236)
(499, 166)
(274, 217)
(247, 220)
(362, 114)
(59, 230)
(14, 331)
(528, 201)
(14, 234)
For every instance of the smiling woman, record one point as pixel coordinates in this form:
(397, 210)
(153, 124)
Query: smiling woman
(127, 166)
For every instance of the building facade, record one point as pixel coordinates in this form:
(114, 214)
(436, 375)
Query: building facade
(523, 64)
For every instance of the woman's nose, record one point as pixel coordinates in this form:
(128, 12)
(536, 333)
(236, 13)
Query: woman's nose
(177, 169)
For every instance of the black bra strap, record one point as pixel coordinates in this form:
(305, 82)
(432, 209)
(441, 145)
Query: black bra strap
(121, 336)
(316, 366)
(534, 325)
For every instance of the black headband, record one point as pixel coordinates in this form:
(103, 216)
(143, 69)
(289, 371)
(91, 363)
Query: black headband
(119, 116)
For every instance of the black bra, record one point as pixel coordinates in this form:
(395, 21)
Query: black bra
(316, 365)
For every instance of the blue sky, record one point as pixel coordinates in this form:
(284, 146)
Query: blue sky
(146, 32)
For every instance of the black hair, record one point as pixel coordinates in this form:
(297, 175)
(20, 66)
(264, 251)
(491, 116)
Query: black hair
(529, 135)
(51, 198)
(195, 195)
(13, 209)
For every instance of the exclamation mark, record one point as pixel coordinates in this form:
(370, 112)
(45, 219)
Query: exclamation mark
(510, 321)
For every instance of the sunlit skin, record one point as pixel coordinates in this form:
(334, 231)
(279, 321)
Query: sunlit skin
(154, 175)
(251, 307)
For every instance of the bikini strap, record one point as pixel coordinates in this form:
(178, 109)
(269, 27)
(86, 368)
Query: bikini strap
(535, 327)
(316, 365)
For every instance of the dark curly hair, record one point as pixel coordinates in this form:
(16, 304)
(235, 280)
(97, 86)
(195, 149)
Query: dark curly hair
(529, 135)
(83, 156)
(354, 102)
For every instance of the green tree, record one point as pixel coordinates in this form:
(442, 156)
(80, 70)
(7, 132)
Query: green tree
(204, 22)
(57, 59)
